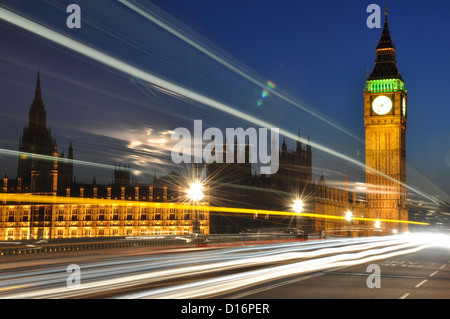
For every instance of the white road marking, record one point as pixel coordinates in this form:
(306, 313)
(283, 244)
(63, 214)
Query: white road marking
(434, 273)
(404, 296)
(421, 283)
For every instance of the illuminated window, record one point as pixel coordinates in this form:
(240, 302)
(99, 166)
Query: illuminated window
(11, 215)
(102, 214)
(88, 213)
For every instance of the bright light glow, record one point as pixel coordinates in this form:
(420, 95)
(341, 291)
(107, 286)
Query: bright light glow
(385, 85)
(298, 206)
(435, 239)
(382, 105)
(195, 191)
(394, 231)
(377, 224)
(134, 144)
(348, 215)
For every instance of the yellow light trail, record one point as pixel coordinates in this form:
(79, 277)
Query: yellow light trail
(12, 198)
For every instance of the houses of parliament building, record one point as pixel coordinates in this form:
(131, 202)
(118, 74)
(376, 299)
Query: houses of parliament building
(69, 209)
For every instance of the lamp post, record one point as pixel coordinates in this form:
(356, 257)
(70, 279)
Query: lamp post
(297, 207)
(348, 217)
(195, 194)
(377, 226)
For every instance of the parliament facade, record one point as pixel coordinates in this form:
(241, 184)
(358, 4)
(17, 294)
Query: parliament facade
(45, 201)
(63, 208)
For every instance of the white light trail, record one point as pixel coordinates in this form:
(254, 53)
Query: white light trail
(102, 277)
(236, 281)
(53, 158)
(124, 67)
(151, 16)
(224, 284)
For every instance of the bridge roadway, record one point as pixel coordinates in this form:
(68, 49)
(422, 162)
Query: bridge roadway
(410, 267)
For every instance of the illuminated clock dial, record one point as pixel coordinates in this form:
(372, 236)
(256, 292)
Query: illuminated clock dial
(404, 107)
(382, 105)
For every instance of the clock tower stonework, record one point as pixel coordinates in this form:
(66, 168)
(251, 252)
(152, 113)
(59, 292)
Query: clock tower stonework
(385, 115)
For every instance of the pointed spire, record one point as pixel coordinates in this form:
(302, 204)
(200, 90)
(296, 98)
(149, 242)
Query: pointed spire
(284, 146)
(70, 155)
(385, 40)
(37, 93)
(385, 61)
(299, 142)
(37, 114)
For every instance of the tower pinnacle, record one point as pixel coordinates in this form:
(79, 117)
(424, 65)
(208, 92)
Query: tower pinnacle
(385, 62)
(38, 94)
(37, 114)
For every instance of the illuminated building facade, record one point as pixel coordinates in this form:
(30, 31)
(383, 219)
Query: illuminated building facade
(127, 209)
(338, 200)
(90, 210)
(103, 216)
(384, 194)
(37, 174)
(385, 116)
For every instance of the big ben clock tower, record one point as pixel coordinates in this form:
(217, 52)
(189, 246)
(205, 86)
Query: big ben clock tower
(385, 115)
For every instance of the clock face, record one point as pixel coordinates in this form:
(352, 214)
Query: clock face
(382, 105)
(404, 107)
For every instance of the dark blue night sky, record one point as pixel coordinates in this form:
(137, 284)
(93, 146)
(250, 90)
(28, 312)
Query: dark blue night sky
(316, 52)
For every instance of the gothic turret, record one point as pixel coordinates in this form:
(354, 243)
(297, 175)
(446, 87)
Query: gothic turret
(37, 115)
(36, 139)
(385, 61)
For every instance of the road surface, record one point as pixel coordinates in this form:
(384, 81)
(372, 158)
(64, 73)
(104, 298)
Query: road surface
(409, 267)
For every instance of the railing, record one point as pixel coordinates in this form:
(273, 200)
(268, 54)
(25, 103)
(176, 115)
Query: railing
(35, 248)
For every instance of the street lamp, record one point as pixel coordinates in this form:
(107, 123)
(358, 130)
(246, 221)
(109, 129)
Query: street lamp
(195, 194)
(377, 224)
(297, 207)
(195, 191)
(348, 217)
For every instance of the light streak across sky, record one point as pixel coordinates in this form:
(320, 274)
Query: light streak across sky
(52, 158)
(153, 17)
(137, 72)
